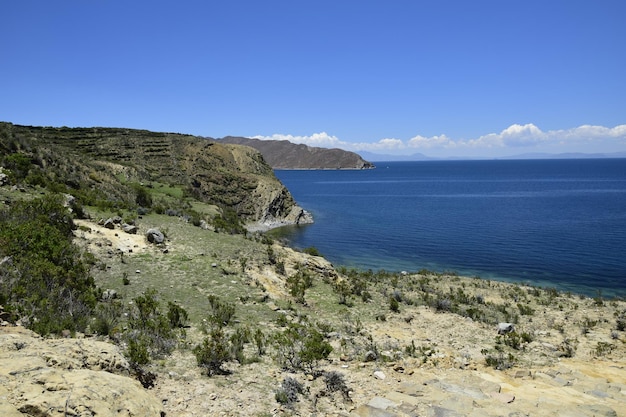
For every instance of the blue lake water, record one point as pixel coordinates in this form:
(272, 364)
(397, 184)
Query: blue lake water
(554, 223)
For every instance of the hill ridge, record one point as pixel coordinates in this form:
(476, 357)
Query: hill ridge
(282, 154)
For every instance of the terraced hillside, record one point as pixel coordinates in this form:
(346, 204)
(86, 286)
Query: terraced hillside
(105, 160)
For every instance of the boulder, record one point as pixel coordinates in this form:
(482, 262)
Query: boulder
(155, 236)
(109, 223)
(130, 228)
(504, 328)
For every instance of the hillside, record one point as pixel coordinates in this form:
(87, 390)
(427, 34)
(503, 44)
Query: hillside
(282, 154)
(110, 163)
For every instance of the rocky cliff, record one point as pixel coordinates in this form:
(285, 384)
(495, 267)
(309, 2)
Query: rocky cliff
(109, 159)
(282, 154)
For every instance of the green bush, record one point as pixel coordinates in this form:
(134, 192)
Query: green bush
(138, 352)
(394, 306)
(142, 196)
(213, 352)
(176, 315)
(19, 165)
(229, 222)
(499, 360)
(238, 339)
(300, 347)
(222, 312)
(298, 283)
(312, 250)
(148, 324)
(107, 318)
(260, 341)
(45, 279)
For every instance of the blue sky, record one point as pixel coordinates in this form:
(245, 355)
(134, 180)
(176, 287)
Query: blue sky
(443, 78)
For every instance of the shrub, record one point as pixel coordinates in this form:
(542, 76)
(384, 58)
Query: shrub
(394, 306)
(138, 352)
(620, 323)
(288, 392)
(221, 312)
(213, 352)
(238, 339)
(19, 164)
(312, 250)
(260, 340)
(512, 339)
(228, 222)
(525, 310)
(176, 315)
(443, 304)
(107, 318)
(342, 288)
(498, 359)
(300, 347)
(45, 280)
(335, 382)
(298, 283)
(147, 324)
(603, 349)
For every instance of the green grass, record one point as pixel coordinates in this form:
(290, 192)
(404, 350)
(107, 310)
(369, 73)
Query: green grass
(186, 274)
(165, 190)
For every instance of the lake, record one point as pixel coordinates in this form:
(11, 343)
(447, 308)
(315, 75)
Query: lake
(552, 223)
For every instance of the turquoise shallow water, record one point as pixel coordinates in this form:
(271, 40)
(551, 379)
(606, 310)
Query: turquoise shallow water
(557, 223)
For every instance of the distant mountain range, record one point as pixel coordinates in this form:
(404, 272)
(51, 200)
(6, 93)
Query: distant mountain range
(421, 157)
(282, 154)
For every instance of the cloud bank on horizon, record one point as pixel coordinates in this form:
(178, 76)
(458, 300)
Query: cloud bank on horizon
(515, 139)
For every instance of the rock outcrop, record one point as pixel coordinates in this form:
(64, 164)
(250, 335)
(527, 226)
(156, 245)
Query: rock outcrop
(72, 377)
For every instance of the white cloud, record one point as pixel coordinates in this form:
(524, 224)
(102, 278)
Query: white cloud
(422, 142)
(322, 139)
(514, 139)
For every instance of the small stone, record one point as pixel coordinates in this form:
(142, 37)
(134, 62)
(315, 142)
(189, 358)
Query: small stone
(370, 356)
(379, 375)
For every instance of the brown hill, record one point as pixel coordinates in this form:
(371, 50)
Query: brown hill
(282, 154)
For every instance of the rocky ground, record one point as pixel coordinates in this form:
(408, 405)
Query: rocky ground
(429, 362)
(67, 377)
